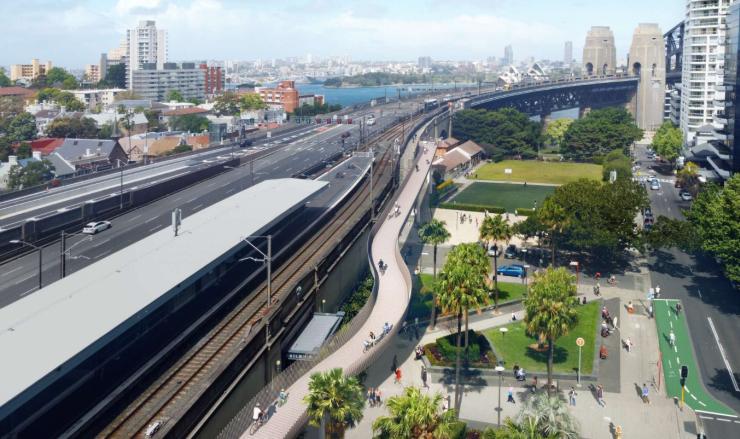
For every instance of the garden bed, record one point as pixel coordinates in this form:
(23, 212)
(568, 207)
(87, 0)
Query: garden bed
(443, 351)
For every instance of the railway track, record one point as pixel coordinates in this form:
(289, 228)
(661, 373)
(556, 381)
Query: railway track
(164, 399)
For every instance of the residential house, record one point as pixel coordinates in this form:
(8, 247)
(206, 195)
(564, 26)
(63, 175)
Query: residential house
(5, 167)
(445, 146)
(457, 160)
(81, 156)
(46, 145)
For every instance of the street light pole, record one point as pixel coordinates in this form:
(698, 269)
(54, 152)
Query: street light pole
(120, 186)
(500, 370)
(19, 241)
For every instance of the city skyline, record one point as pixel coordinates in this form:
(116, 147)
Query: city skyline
(372, 30)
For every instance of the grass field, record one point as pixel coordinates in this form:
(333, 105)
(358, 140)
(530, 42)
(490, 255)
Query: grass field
(515, 346)
(421, 299)
(538, 172)
(508, 196)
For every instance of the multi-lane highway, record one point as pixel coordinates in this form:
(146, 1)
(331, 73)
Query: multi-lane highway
(711, 305)
(293, 152)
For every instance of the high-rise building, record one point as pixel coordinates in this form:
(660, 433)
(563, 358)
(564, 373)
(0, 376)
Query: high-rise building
(152, 83)
(568, 55)
(425, 62)
(599, 52)
(703, 63)
(29, 72)
(508, 55)
(214, 79)
(92, 72)
(731, 83)
(146, 45)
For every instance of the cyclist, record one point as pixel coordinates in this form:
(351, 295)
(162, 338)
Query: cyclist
(283, 397)
(257, 414)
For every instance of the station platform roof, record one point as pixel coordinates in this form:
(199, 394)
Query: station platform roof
(320, 328)
(46, 333)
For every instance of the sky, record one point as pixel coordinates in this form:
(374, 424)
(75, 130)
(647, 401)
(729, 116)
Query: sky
(73, 33)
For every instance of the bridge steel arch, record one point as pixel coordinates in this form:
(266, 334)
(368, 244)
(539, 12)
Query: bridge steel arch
(542, 99)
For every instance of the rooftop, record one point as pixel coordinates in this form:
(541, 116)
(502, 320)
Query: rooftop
(45, 334)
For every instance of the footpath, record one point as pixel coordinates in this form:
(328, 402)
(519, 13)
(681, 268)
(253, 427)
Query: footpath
(661, 417)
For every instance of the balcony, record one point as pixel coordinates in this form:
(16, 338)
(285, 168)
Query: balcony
(720, 118)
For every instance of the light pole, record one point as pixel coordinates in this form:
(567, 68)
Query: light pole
(120, 207)
(576, 265)
(65, 251)
(266, 259)
(323, 302)
(500, 370)
(19, 241)
(236, 168)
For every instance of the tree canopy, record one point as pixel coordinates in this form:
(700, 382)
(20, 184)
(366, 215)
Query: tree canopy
(336, 399)
(20, 127)
(668, 141)
(313, 110)
(116, 76)
(175, 95)
(62, 98)
(415, 415)
(555, 131)
(73, 127)
(600, 132)
(4, 80)
(59, 76)
(34, 173)
(617, 161)
(504, 132)
(232, 104)
(192, 123)
(714, 215)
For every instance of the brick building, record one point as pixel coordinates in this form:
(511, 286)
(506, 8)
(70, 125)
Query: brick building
(215, 79)
(285, 94)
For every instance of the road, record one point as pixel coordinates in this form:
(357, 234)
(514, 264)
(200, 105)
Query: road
(712, 310)
(302, 149)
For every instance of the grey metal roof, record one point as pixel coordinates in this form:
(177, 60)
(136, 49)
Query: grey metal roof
(74, 150)
(66, 322)
(314, 335)
(61, 166)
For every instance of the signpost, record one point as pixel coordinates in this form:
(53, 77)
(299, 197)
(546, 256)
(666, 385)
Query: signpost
(580, 342)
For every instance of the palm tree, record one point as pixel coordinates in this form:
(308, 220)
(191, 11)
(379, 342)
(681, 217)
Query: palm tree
(549, 416)
(495, 228)
(434, 232)
(550, 308)
(335, 398)
(463, 286)
(415, 415)
(555, 220)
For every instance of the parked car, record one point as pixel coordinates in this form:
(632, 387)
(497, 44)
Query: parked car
(685, 195)
(493, 250)
(95, 227)
(511, 252)
(514, 270)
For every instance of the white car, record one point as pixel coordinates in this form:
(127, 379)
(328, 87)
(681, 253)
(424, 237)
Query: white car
(95, 227)
(685, 195)
(655, 185)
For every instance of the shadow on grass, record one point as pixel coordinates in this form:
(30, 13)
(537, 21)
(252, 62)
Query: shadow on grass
(560, 354)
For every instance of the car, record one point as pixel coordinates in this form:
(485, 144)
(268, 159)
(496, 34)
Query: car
(493, 250)
(655, 185)
(95, 227)
(246, 143)
(685, 195)
(511, 252)
(514, 270)
(152, 429)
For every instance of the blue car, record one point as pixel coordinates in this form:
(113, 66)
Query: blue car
(515, 270)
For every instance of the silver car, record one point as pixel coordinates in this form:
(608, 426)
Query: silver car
(655, 185)
(95, 227)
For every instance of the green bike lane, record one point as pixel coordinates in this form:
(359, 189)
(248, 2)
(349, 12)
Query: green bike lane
(673, 357)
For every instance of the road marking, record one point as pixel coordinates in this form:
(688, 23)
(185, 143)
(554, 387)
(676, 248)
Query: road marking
(209, 185)
(177, 199)
(702, 403)
(724, 357)
(23, 279)
(191, 200)
(102, 254)
(699, 291)
(692, 395)
(101, 242)
(150, 219)
(155, 227)
(134, 218)
(706, 417)
(723, 420)
(11, 271)
(198, 206)
(230, 190)
(26, 292)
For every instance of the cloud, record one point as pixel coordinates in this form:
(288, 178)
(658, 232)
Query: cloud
(126, 7)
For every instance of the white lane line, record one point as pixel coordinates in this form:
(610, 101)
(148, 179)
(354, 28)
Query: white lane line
(134, 218)
(177, 199)
(191, 200)
(23, 279)
(228, 191)
(724, 357)
(101, 243)
(198, 206)
(702, 403)
(102, 254)
(212, 184)
(27, 292)
(155, 227)
(723, 420)
(11, 271)
(706, 417)
(150, 219)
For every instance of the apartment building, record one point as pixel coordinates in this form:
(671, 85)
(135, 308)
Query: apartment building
(154, 84)
(29, 72)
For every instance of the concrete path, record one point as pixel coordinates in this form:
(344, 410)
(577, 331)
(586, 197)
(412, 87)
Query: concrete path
(394, 290)
(662, 418)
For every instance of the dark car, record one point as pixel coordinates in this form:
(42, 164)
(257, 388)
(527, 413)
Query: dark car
(514, 270)
(245, 143)
(511, 252)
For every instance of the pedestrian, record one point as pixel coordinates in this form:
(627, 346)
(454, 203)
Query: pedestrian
(424, 376)
(678, 308)
(645, 397)
(378, 400)
(628, 344)
(657, 291)
(650, 310)
(510, 396)
(534, 384)
(371, 396)
(672, 338)
(398, 375)
(600, 395)
(584, 300)
(513, 316)
(572, 396)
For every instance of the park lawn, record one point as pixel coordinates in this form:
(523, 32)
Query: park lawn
(508, 196)
(421, 298)
(514, 347)
(534, 171)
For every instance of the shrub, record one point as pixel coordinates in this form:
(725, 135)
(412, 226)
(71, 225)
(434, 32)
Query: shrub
(523, 211)
(472, 207)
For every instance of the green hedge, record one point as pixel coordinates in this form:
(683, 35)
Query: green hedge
(521, 211)
(472, 207)
(448, 349)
